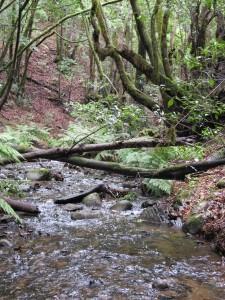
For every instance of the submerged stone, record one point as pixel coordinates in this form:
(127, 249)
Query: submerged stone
(148, 203)
(92, 200)
(5, 243)
(39, 174)
(85, 214)
(153, 214)
(122, 205)
(73, 207)
(25, 188)
(160, 284)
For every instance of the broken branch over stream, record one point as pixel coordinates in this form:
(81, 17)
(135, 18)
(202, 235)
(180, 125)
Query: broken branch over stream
(176, 172)
(55, 153)
(78, 198)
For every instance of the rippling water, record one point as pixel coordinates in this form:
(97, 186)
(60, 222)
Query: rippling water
(115, 257)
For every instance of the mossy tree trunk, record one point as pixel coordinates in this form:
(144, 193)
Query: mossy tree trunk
(155, 66)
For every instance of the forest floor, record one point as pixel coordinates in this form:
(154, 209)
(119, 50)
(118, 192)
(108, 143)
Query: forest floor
(43, 107)
(41, 103)
(200, 202)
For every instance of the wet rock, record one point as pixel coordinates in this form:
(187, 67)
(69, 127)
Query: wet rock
(58, 176)
(3, 176)
(122, 205)
(25, 188)
(93, 283)
(5, 219)
(193, 224)
(92, 200)
(148, 203)
(85, 214)
(39, 174)
(72, 207)
(160, 284)
(5, 243)
(221, 184)
(153, 214)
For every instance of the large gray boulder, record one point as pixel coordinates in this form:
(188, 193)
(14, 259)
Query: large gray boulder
(85, 214)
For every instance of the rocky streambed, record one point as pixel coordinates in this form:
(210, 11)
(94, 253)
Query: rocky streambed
(93, 250)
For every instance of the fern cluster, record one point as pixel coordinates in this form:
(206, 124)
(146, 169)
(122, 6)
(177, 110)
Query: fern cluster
(8, 152)
(23, 136)
(158, 187)
(157, 158)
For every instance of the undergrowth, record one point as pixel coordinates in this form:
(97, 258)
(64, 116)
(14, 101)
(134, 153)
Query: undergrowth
(23, 136)
(114, 121)
(123, 121)
(98, 122)
(13, 140)
(10, 188)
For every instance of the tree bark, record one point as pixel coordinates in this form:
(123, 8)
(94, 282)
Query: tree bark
(54, 153)
(177, 172)
(22, 206)
(78, 198)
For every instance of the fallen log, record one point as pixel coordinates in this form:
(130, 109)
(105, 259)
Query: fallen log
(78, 197)
(22, 206)
(177, 172)
(100, 188)
(55, 153)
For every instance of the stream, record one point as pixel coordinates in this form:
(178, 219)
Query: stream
(116, 256)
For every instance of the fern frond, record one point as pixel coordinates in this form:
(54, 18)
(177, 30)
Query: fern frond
(9, 210)
(8, 152)
(158, 187)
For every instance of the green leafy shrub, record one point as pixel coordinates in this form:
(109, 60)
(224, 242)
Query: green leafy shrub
(114, 121)
(65, 66)
(118, 118)
(131, 196)
(10, 187)
(215, 49)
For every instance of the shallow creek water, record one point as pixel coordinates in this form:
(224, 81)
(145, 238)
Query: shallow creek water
(117, 256)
